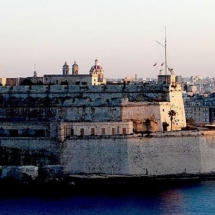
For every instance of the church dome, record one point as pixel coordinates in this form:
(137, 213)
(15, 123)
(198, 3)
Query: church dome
(96, 68)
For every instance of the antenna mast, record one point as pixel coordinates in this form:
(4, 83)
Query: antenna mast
(165, 55)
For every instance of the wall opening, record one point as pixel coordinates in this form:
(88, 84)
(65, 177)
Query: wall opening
(82, 132)
(103, 131)
(92, 131)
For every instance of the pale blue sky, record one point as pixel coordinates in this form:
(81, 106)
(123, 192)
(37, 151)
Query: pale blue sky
(120, 33)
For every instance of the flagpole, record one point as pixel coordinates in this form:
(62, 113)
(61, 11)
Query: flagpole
(165, 54)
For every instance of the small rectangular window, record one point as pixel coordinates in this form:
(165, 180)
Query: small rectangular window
(40, 133)
(82, 132)
(113, 131)
(92, 131)
(103, 131)
(124, 131)
(72, 132)
(13, 133)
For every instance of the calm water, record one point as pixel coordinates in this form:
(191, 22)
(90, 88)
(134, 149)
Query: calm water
(190, 198)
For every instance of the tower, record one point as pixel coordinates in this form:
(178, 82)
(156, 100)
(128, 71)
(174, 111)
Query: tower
(65, 69)
(35, 74)
(75, 68)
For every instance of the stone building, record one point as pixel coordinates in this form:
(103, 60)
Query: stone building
(65, 69)
(94, 129)
(200, 108)
(34, 80)
(3, 81)
(64, 111)
(95, 76)
(98, 70)
(75, 68)
(12, 82)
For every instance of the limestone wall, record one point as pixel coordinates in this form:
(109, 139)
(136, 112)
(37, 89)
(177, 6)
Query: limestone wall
(108, 103)
(75, 103)
(28, 151)
(168, 153)
(174, 153)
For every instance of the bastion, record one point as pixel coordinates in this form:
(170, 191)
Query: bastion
(123, 130)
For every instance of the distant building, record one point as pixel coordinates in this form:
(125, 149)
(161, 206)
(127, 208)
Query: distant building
(12, 82)
(98, 70)
(179, 79)
(65, 69)
(95, 77)
(31, 80)
(3, 81)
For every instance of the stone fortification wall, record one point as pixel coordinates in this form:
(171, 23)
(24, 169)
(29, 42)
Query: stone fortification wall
(169, 153)
(75, 103)
(28, 151)
(164, 154)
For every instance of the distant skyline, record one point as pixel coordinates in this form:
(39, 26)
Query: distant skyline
(42, 34)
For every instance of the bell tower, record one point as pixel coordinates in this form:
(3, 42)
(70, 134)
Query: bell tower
(65, 69)
(75, 68)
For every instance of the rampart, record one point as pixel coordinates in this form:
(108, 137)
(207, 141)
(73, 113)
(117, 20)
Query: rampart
(105, 103)
(162, 154)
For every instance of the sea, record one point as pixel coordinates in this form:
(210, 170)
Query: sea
(178, 198)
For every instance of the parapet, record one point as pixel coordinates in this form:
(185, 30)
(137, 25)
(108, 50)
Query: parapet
(75, 88)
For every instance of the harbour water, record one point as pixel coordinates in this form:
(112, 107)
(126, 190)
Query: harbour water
(184, 198)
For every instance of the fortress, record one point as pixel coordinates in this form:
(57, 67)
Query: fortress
(82, 126)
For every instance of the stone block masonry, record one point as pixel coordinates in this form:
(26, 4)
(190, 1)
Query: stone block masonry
(187, 153)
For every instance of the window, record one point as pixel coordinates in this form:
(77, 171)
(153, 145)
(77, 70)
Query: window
(82, 132)
(40, 133)
(124, 131)
(92, 131)
(103, 131)
(13, 133)
(72, 132)
(113, 131)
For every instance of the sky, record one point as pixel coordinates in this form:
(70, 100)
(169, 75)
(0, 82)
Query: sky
(42, 34)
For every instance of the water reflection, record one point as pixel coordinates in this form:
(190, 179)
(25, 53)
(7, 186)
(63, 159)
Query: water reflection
(185, 199)
(172, 202)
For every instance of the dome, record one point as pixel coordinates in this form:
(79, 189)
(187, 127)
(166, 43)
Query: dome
(96, 68)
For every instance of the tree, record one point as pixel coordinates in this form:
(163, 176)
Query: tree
(190, 121)
(171, 114)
